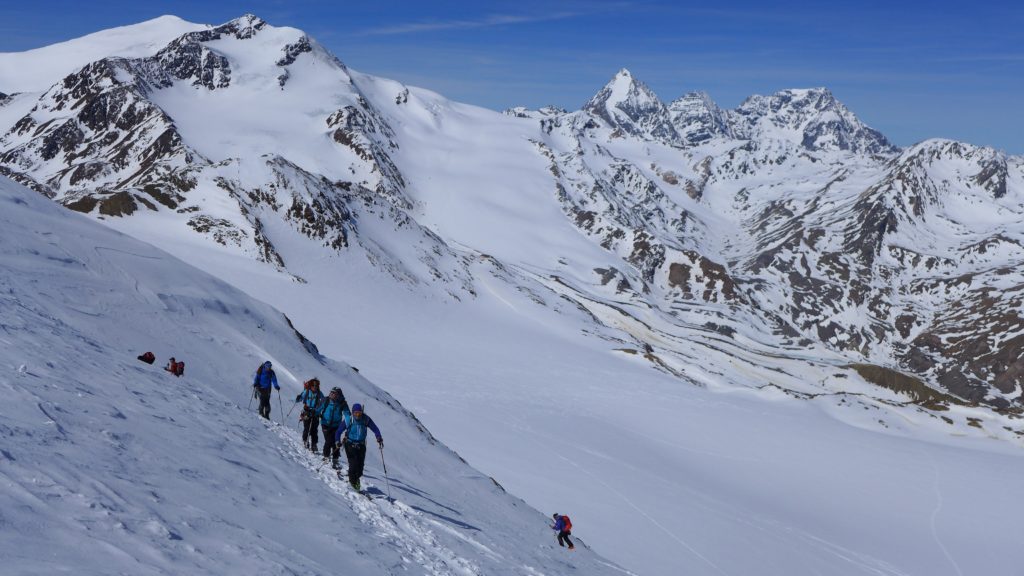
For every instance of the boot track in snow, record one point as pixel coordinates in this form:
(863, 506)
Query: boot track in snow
(393, 521)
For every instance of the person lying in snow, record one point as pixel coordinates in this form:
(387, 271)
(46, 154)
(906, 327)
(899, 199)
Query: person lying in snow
(174, 367)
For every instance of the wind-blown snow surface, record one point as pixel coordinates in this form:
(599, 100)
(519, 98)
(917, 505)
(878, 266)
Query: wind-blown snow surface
(112, 466)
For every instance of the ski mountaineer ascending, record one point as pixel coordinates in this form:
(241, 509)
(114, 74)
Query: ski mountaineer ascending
(354, 432)
(311, 397)
(563, 526)
(332, 416)
(265, 378)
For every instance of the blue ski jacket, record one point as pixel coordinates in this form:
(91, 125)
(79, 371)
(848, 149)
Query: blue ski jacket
(333, 413)
(265, 377)
(559, 524)
(310, 398)
(356, 428)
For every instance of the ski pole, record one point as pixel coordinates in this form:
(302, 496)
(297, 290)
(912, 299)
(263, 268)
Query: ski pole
(280, 406)
(251, 397)
(386, 479)
(290, 411)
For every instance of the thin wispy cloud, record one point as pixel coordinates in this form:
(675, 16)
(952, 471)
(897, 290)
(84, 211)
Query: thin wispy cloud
(984, 58)
(486, 22)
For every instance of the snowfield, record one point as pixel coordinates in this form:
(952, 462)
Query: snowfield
(656, 319)
(112, 466)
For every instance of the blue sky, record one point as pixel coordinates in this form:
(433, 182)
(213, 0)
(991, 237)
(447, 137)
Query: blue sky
(913, 70)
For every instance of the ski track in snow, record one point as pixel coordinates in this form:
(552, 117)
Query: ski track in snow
(629, 502)
(935, 515)
(867, 563)
(392, 521)
(649, 518)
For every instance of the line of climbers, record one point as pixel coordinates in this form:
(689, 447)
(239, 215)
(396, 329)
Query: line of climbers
(341, 427)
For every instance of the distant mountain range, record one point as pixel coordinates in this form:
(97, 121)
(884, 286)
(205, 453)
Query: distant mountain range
(786, 220)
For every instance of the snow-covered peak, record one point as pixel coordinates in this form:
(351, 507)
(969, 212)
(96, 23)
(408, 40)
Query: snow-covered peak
(629, 107)
(248, 49)
(698, 119)
(984, 169)
(623, 91)
(36, 70)
(810, 117)
(247, 26)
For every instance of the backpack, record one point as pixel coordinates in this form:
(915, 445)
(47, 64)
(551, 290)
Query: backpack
(259, 374)
(179, 370)
(148, 358)
(567, 523)
(311, 384)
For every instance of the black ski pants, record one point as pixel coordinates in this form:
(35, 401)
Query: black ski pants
(356, 453)
(309, 429)
(563, 539)
(330, 446)
(265, 402)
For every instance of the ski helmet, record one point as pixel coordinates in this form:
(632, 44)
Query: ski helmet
(555, 515)
(357, 407)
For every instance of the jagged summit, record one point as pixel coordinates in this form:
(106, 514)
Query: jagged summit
(698, 119)
(249, 22)
(626, 104)
(810, 117)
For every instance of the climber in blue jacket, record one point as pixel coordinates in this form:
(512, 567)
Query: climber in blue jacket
(332, 413)
(265, 378)
(353, 430)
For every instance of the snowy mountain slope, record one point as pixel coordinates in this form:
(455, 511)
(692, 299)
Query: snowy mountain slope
(37, 70)
(440, 244)
(589, 430)
(113, 466)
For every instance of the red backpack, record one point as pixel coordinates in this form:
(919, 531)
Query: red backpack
(179, 370)
(567, 523)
